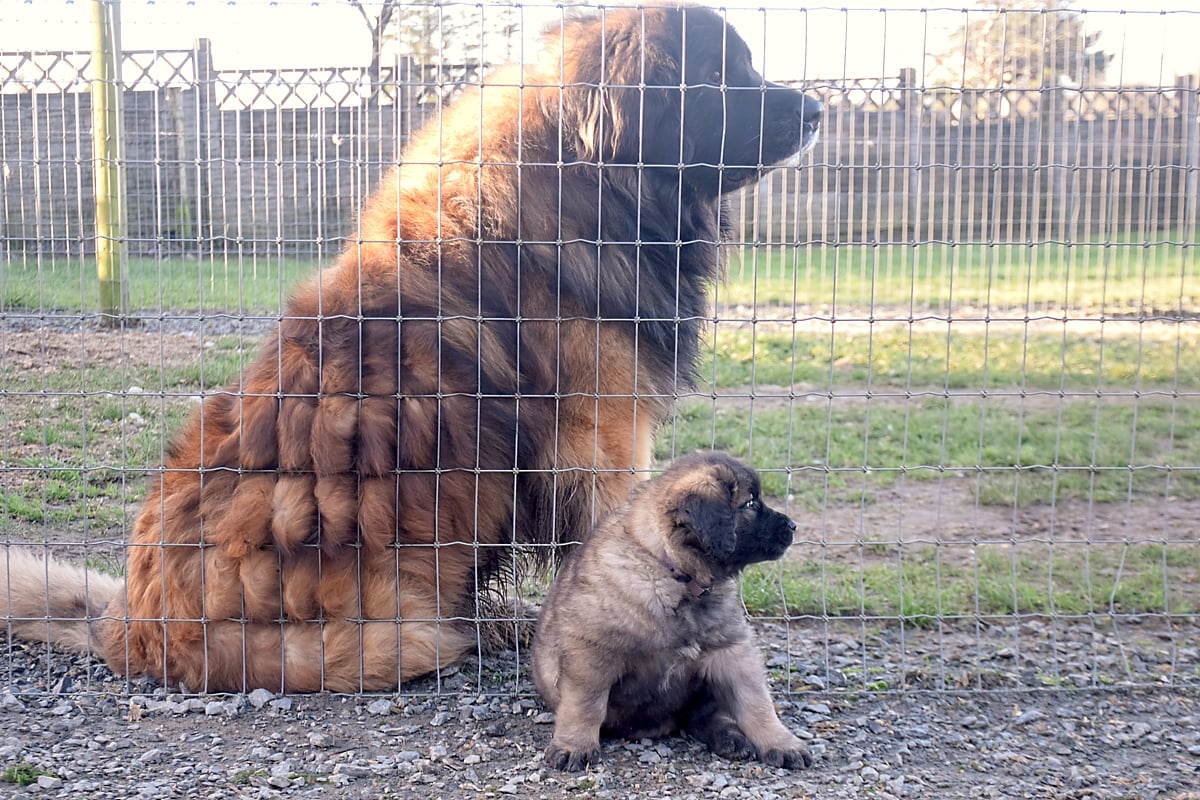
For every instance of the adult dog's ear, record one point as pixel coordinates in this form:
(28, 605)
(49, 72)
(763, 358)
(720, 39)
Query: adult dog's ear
(615, 100)
(707, 522)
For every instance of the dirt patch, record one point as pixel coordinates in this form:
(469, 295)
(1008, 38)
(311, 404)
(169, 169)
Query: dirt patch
(49, 351)
(944, 511)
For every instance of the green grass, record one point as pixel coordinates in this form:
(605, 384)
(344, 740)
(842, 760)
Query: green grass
(251, 285)
(923, 584)
(1082, 448)
(1124, 275)
(84, 455)
(23, 774)
(1121, 356)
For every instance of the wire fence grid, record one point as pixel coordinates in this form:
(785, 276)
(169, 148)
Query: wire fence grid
(955, 338)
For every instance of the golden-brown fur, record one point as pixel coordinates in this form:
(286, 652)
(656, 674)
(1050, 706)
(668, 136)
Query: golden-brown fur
(643, 632)
(484, 366)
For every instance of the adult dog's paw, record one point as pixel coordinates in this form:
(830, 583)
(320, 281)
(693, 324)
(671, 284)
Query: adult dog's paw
(796, 757)
(567, 760)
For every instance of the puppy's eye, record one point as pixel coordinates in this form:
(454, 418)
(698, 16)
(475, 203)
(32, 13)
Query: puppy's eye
(752, 504)
(716, 78)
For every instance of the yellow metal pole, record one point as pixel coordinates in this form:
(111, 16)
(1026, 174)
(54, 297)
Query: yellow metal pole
(108, 159)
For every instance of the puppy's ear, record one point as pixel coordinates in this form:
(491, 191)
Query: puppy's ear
(708, 523)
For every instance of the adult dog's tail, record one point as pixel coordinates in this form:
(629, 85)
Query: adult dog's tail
(45, 600)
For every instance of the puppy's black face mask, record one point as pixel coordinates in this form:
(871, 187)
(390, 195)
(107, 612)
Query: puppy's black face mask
(734, 530)
(763, 534)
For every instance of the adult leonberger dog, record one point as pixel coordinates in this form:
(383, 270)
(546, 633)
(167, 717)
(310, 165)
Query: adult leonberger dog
(644, 632)
(483, 367)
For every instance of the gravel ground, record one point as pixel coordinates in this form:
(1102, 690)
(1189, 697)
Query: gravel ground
(1038, 711)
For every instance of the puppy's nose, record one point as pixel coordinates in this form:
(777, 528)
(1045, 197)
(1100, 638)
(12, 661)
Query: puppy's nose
(791, 524)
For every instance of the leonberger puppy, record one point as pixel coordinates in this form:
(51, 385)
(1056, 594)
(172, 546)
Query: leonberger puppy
(483, 368)
(643, 632)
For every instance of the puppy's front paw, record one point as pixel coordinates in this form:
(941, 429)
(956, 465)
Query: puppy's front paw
(568, 760)
(791, 757)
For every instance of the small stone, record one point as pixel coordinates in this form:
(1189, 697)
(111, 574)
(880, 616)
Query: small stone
(440, 719)
(320, 739)
(279, 781)
(380, 708)
(283, 704)
(473, 758)
(1029, 716)
(151, 756)
(354, 770)
(216, 708)
(544, 718)
(260, 697)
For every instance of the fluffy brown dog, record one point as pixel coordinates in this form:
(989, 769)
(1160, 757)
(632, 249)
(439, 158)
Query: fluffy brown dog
(643, 632)
(483, 367)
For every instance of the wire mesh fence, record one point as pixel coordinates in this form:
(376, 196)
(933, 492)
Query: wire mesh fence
(954, 339)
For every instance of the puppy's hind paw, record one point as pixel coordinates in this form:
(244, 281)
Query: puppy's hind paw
(729, 742)
(796, 757)
(567, 760)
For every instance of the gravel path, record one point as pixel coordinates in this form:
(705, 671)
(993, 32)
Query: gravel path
(868, 702)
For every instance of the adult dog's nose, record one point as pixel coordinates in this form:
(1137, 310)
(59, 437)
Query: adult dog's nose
(810, 119)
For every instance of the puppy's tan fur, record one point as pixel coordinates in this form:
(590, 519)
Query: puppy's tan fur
(644, 633)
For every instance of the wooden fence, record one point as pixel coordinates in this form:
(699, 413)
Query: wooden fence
(279, 161)
(899, 162)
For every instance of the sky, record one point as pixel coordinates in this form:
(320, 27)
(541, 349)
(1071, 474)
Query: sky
(844, 39)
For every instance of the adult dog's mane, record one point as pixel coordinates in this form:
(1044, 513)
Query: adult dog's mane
(561, 201)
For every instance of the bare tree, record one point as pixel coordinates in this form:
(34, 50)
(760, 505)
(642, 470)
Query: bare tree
(378, 20)
(436, 35)
(1023, 44)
